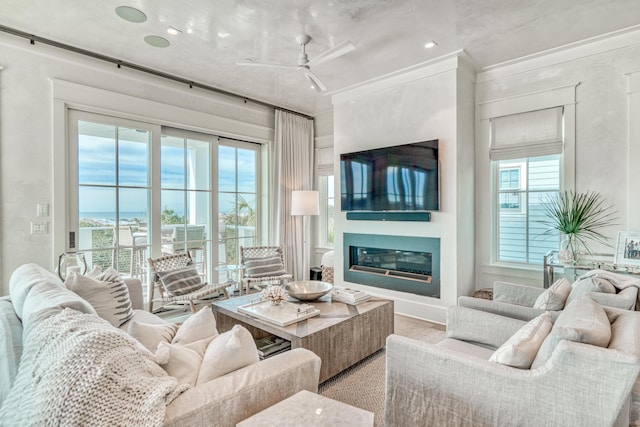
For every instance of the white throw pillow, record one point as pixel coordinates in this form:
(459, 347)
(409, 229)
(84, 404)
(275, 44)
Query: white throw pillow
(590, 283)
(182, 361)
(150, 335)
(583, 320)
(520, 350)
(199, 326)
(228, 352)
(555, 297)
(106, 292)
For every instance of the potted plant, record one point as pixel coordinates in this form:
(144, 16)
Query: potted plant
(577, 216)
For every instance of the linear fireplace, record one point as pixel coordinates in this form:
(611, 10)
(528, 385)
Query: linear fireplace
(401, 263)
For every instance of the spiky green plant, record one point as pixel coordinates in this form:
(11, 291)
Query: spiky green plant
(579, 216)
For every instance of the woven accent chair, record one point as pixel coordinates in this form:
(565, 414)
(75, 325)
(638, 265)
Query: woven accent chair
(252, 253)
(170, 263)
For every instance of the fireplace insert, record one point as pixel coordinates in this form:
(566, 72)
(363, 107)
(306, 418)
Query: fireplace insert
(407, 264)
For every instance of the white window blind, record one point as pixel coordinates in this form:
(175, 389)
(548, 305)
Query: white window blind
(530, 134)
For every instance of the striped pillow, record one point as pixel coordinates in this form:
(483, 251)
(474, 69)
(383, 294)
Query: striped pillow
(180, 281)
(106, 292)
(263, 267)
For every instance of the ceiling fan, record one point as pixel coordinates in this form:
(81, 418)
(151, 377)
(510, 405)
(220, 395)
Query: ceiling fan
(304, 63)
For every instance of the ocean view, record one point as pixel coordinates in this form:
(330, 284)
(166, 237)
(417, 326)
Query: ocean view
(109, 218)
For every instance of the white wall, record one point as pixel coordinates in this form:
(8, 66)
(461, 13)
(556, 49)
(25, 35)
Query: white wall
(323, 153)
(432, 102)
(602, 147)
(26, 133)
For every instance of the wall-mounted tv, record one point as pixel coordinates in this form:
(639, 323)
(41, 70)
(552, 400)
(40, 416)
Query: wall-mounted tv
(398, 178)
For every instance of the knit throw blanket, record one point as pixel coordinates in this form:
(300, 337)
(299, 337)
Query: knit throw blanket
(77, 369)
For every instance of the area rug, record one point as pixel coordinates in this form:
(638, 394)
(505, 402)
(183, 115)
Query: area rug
(362, 385)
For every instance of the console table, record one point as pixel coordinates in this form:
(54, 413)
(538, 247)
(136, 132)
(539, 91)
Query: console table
(585, 263)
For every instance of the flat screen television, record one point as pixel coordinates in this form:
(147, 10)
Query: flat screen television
(399, 178)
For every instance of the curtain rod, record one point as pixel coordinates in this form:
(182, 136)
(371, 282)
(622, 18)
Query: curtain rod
(33, 39)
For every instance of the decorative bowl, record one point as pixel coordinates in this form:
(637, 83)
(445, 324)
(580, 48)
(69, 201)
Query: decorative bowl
(308, 290)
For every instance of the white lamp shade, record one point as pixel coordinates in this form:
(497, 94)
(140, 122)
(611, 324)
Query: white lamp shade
(305, 202)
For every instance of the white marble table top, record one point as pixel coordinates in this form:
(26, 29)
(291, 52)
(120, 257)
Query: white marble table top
(310, 410)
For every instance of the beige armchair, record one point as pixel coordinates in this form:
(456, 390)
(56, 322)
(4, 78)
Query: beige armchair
(454, 383)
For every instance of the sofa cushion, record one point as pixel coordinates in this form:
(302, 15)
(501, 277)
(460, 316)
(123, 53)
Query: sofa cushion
(521, 349)
(263, 267)
(199, 326)
(626, 299)
(10, 346)
(228, 352)
(182, 361)
(625, 330)
(34, 289)
(107, 293)
(555, 297)
(583, 320)
(471, 349)
(150, 335)
(590, 283)
(181, 281)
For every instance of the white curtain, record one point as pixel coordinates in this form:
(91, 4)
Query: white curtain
(290, 168)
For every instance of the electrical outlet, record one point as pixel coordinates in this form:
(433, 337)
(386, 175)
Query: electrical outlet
(39, 227)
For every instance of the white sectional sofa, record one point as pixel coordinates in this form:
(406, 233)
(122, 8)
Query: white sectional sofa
(36, 296)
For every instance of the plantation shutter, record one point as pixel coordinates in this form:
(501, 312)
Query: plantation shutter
(530, 134)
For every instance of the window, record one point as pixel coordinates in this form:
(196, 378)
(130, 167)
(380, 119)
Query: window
(526, 151)
(186, 194)
(202, 199)
(327, 208)
(509, 186)
(519, 228)
(237, 199)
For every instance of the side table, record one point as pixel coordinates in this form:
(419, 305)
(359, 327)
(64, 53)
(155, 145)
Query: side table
(310, 410)
(235, 271)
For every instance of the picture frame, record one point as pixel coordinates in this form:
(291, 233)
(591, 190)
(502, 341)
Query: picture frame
(628, 248)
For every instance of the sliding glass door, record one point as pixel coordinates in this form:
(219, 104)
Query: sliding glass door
(139, 190)
(186, 195)
(237, 198)
(113, 191)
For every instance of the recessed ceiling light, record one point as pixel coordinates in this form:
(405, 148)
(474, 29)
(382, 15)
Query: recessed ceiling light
(157, 41)
(173, 31)
(223, 34)
(131, 14)
(430, 44)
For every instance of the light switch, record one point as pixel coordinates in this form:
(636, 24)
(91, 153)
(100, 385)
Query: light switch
(43, 209)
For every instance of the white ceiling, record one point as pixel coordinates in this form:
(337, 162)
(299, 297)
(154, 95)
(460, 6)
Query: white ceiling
(389, 35)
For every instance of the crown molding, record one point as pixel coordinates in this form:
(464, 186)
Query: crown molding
(588, 47)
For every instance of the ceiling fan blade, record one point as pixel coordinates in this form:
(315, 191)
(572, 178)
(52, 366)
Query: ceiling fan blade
(332, 53)
(261, 64)
(315, 82)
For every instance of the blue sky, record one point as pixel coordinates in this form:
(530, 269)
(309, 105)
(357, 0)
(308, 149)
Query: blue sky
(97, 157)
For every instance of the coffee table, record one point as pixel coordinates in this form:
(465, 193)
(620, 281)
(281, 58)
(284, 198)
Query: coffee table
(309, 409)
(341, 335)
